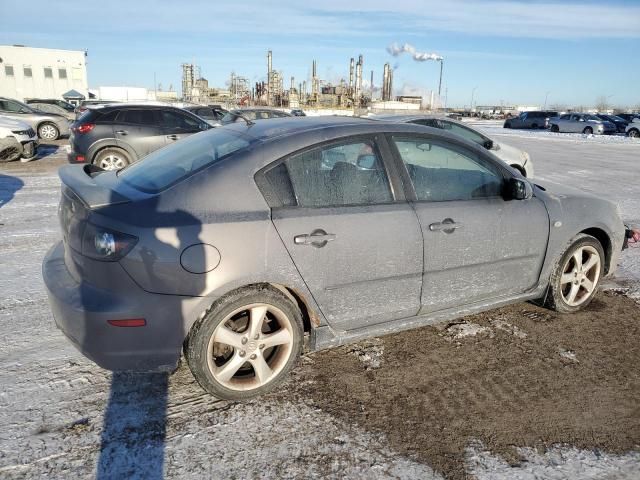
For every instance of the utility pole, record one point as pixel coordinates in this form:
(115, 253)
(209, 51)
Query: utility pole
(440, 83)
(472, 94)
(545, 99)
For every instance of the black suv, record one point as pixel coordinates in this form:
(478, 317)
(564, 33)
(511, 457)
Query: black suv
(116, 135)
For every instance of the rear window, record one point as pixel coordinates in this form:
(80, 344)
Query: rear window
(167, 166)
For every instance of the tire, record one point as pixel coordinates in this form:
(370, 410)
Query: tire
(112, 159)
(48, 131)
(569, 277)
(634, 133)
(507, 125)
(555, 128)
(534, 126)
(588, 131)
(230, 371)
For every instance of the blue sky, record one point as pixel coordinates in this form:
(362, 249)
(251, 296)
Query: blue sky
(512, 51)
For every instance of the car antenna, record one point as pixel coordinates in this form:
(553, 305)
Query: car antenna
(236, 114)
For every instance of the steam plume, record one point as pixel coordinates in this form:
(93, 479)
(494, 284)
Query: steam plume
(397, 50)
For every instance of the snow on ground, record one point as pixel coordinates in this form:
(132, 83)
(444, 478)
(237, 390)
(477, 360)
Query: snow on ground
(63, 417)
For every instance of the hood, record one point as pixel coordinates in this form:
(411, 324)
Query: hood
(561, 191)
(509, 154)
(12, 124)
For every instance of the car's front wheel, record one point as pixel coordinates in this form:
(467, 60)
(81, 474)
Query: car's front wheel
(576, 276)
(555, 128)
(246, 344)
(48, 131)
(588, 131)
(634, 133)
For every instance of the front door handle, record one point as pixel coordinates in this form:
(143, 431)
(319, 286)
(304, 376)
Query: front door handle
(172, 137)
(318, 238)
(446, 226)
(121, 132)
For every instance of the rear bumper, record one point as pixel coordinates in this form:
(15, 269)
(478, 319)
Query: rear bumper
(75, 158)
(82, 310)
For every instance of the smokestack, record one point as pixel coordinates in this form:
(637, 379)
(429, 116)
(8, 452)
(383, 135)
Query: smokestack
(371, 84)
(313, 69)
(293, 83)
(385, 83)
(390, 87)
(269, 68)
(351, 67)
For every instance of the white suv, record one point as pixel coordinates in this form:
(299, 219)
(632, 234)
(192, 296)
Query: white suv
(633, 129)
(23, 133)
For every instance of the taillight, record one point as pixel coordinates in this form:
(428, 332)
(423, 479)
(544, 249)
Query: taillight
(84, 128)
(105, 244)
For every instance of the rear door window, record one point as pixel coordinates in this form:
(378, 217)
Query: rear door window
(138, 117)
(334, 175)
(176, 122)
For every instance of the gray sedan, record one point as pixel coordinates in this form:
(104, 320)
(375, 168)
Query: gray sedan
(248, 243)
(581, 123)
(49, 126)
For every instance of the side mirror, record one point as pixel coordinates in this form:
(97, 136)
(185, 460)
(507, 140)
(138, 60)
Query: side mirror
(519, 189)
(488, 144)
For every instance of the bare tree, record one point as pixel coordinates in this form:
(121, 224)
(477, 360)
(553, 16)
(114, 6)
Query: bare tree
(602, 104)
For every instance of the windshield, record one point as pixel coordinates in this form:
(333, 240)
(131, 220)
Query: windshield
(169, 165)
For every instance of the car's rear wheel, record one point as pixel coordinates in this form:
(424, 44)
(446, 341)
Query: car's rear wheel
(587, 131)
(507, 124)
(534, 126)
(634, 133)
(576, 276)
(112, 159)
(48, 131)
(555, 128)
(246, 344)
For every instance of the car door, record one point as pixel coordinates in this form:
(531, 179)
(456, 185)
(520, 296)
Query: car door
(477, 245)
(178, 125)
(138, 129)
(354, 239)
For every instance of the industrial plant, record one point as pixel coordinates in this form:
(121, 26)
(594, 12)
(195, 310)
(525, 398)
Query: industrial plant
(316, 93)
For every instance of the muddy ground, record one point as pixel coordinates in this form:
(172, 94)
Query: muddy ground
(532, 378)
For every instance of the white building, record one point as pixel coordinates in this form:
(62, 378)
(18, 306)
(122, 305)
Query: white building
(27, 72)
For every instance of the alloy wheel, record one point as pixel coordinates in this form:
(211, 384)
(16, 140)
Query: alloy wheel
(250, 347)
(580, 275)
(112, 162)
(48, 132)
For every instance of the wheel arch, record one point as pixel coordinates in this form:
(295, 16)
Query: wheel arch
(605, 241)
(95, 149)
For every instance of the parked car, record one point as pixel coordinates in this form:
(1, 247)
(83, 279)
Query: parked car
(296, 112)
(212, 115)
(116, 135)
(48, 126)
(582, 123)
(531, 120)
(251, 114)
(629, 117)
(633, 129)
(52, 101)
(10, 150)
(52, 108)
(619, 122)
(517, 159)
(23, 134)
(237, 243)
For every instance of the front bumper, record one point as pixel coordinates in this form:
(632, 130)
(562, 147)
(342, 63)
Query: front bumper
(81, 311)
(30, 149)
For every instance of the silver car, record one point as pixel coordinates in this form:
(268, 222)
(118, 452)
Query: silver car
(633, 129)
(581, 123)
(48, 126)
(246, 244)
(514, 157)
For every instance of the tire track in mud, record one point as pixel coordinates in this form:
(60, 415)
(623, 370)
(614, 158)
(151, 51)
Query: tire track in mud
(433, 395)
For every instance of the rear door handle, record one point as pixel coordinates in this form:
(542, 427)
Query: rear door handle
(122, 132)
(318, 238)
(446, 226)
(172, 137)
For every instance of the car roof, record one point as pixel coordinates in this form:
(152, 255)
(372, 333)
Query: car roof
(404, 118)
(322, 128)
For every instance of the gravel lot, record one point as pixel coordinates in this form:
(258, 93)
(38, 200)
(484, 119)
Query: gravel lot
(518, 392)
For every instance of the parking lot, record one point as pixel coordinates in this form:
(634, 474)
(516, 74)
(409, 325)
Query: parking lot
(519, 392)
